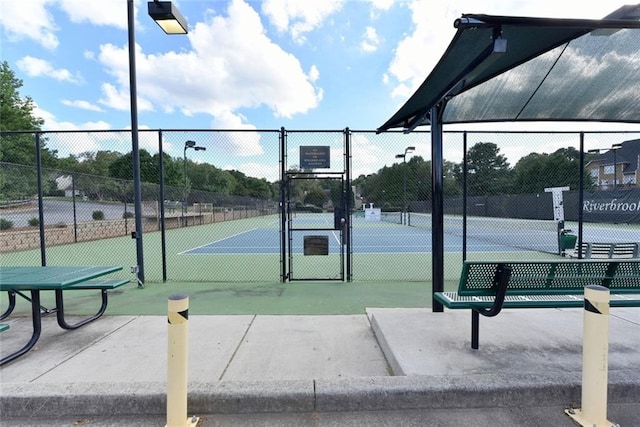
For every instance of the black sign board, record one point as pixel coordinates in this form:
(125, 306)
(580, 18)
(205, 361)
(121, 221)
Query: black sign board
(314, 157)
(316, 245)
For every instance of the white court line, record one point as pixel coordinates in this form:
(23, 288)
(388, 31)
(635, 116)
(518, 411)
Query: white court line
(221, 240)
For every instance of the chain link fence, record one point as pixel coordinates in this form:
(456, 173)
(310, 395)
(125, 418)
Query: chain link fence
(202, 191)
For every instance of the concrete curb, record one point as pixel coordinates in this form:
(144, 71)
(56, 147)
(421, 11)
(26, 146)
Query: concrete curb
(347, 394)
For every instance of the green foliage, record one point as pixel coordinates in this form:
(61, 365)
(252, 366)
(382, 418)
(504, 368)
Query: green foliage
(34, 221)
(535, 172)
(249, 186)
(122, 167)
(16, 112)
(5, 224)
(489, 172)
(17, 115)
(127, 214)
(316, 197)
(97, 215)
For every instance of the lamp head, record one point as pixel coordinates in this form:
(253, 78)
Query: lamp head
(189, 144)
(198, 148)
(167, 17)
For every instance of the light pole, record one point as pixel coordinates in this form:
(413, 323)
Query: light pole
(404, 181)
(187, 145)
(161, 12)
(614, 148)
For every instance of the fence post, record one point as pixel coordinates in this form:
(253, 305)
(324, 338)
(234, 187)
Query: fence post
(595, 359)
(177, 362)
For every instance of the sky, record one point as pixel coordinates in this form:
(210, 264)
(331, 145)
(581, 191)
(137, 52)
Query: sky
(297, 64)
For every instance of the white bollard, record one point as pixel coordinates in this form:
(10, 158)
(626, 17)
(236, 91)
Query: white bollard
(177, 362)
(595, 359)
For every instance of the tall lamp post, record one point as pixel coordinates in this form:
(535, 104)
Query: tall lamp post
(614, 148)
(404, 181)
(171, 22)
(187, 145)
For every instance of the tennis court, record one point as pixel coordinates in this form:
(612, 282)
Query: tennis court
(390, 236)
(248, 250)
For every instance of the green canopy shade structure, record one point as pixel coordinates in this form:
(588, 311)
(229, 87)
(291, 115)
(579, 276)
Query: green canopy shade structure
(520, 69)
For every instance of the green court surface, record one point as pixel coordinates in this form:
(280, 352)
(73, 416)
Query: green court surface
(244, 298)
(249, 283)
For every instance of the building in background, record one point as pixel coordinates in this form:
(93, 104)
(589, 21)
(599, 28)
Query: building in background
(617, 167)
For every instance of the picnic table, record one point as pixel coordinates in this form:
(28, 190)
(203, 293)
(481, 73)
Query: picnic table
(16, 280)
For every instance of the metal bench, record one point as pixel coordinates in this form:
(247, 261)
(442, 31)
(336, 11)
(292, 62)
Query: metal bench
(3, 327)
(606, 250)
(486, 287)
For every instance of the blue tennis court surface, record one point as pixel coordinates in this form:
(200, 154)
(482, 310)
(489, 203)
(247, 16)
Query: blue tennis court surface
(367, 239)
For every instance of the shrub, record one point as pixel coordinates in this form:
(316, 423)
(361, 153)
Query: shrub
(34, 222)
(98, 215)
(127, 214)
(5, 224)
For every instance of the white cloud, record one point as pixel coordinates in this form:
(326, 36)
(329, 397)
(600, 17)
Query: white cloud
(102, 13)
(370, 156)
(299, 17)
(35, 67)
(371, 40)
(80, 142)
(237, 143)
(432, 31)
(314, 73)
(83, 105)
(382, 4)
(232, 65)
(119, 98)
(270, 172)
(29, 19)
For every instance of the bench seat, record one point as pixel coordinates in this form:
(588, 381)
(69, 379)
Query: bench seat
(601, 250)
(3, 327)
(100, 284)
(454, 301)
(486, 287)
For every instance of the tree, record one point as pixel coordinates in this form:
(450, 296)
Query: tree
(316, 197)
(535, 172)
(17, 116)
(16, 113)
(122, 167)
(488, 171)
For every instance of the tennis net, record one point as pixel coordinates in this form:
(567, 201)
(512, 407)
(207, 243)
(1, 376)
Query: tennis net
(528, 234)
(391, 216)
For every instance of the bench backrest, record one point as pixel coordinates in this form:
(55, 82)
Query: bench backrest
(479, 278)
(609, 250)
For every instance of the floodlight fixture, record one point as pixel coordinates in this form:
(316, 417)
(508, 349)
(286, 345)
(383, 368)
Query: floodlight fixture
(167, 17)
(187, 145)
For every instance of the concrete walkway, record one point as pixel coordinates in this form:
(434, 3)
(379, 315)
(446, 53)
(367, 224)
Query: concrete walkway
(388, 366)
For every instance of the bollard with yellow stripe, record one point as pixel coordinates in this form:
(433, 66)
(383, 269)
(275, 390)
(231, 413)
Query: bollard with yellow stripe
(177, 363)
(595, 359)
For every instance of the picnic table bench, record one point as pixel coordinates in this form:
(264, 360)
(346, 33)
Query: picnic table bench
(17, 280)
(486, 287)
(606, 250)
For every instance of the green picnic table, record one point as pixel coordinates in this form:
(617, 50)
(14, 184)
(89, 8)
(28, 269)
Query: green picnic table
(16, 280)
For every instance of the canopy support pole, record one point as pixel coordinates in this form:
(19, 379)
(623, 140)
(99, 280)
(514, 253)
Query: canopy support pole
(437, 203)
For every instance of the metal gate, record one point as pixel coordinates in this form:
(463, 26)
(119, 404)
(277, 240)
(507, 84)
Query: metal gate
(316, 201)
